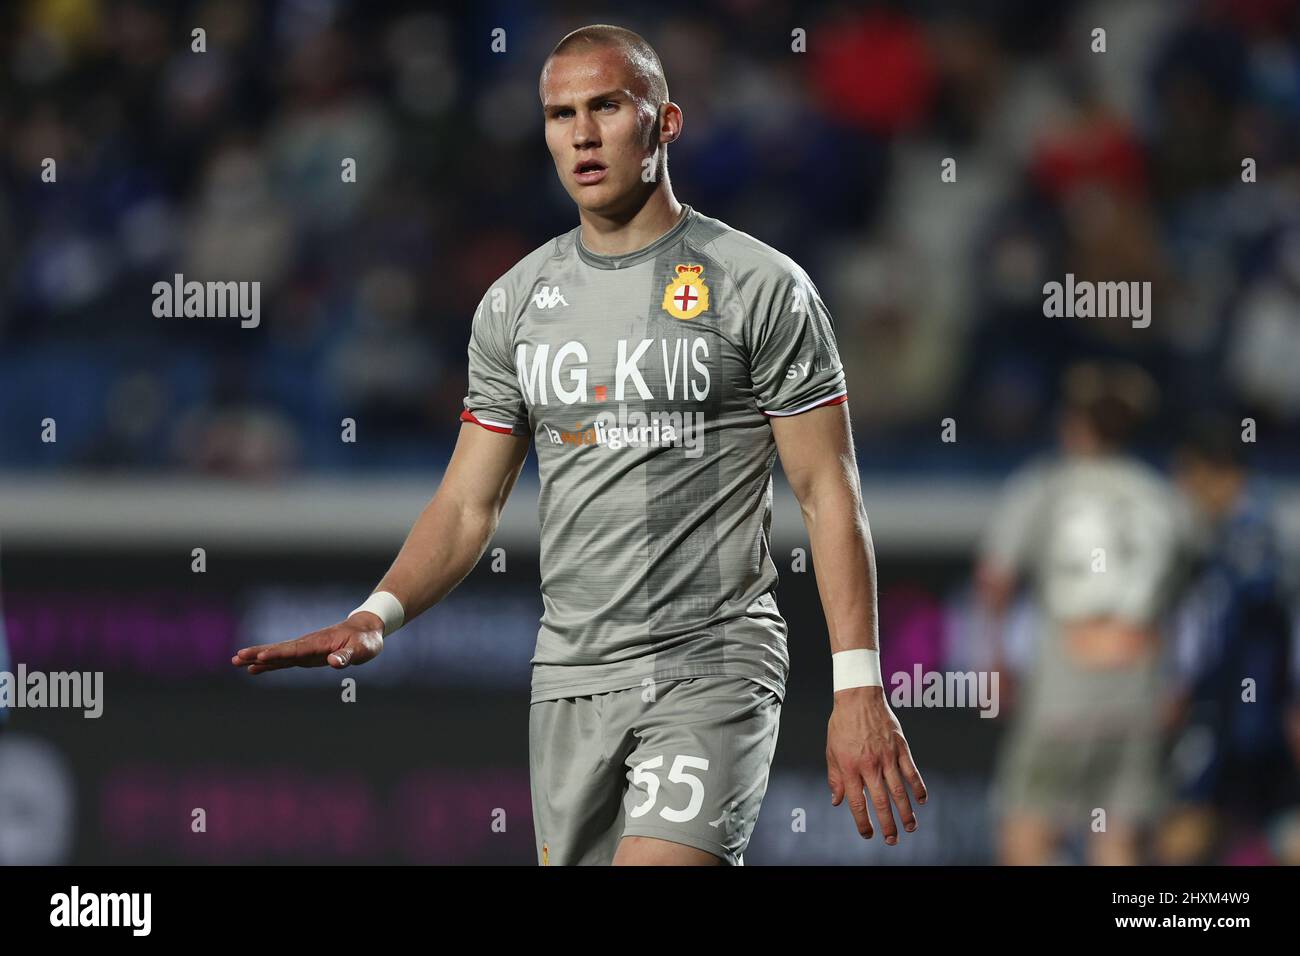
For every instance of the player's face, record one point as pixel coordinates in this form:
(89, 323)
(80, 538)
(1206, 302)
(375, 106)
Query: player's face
(596, 133)
(1213, 489)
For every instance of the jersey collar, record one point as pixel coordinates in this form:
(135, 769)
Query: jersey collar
(638, 255)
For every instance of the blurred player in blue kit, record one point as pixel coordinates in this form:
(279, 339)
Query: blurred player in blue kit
(1237, 758)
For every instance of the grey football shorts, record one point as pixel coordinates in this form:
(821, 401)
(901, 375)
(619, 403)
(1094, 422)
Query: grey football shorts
(1087, 739)
(684, 760)
(1064, 780)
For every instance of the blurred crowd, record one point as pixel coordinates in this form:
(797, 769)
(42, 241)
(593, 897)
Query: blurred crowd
(1121, 165)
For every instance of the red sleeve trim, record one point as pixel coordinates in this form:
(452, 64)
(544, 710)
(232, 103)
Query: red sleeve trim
(468, 416)
(838, 399)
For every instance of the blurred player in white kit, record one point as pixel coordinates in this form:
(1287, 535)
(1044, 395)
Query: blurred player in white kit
(1097, 535)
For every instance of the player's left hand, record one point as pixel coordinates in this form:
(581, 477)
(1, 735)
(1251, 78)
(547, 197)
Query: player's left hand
(866, 751)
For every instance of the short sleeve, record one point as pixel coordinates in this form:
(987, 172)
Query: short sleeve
(794, 358)
(1016, 522)
(494, 400)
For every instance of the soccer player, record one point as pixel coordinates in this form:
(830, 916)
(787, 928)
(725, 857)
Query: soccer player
(1097, 534)
(660, 360)
(1235, 623)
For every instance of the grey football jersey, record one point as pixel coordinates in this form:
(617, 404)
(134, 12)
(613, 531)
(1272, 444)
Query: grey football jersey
(1098, 537)
(647, 382)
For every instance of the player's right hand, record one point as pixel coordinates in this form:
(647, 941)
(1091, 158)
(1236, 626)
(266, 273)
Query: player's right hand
(354, 641)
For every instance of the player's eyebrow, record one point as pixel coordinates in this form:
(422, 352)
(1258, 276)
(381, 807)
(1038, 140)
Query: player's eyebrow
(595, 99)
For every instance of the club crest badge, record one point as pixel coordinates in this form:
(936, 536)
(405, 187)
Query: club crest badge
(687, 295)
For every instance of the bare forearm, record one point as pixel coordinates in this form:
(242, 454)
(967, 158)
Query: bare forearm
(844, 562)
(442, 547)
(994, 587)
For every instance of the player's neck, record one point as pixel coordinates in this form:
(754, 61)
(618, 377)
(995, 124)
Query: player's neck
(630, 231)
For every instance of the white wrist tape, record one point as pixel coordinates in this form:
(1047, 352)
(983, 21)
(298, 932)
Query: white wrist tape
(859, 668)
(387, 608)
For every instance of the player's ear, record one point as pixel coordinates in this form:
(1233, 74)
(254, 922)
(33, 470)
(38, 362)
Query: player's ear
(670, 122)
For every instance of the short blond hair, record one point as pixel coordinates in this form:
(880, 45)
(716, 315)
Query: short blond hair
(642, 60)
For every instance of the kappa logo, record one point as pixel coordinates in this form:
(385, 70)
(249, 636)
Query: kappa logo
(731, 821)
(548, 297)
(686, 296)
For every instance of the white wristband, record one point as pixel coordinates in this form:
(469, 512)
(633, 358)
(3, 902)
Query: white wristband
(385, 606)
(859, 668)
